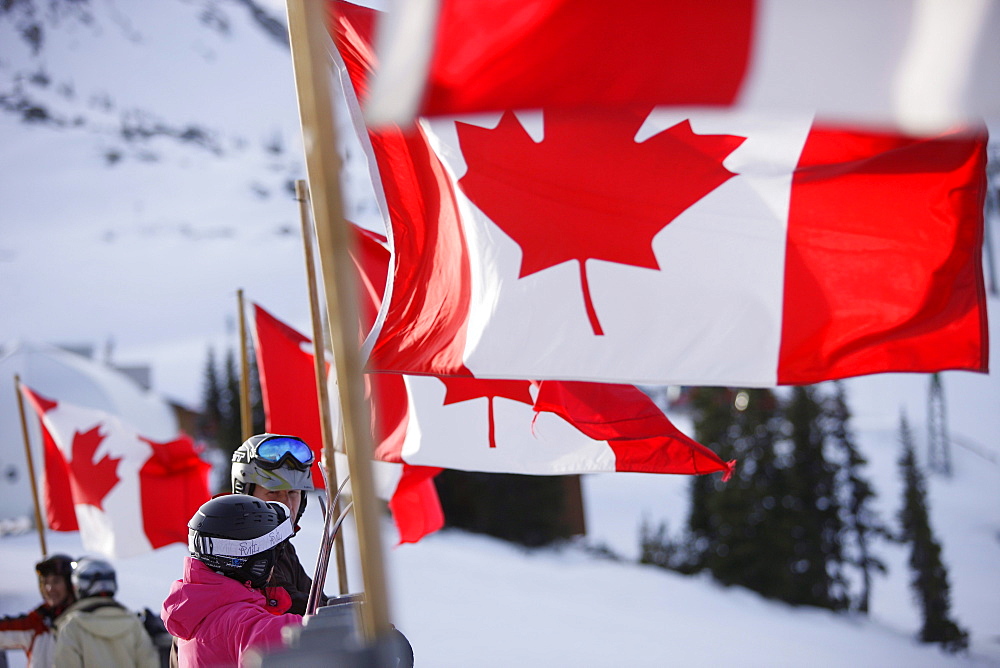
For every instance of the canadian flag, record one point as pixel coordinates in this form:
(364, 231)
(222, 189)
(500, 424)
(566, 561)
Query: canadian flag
(502, 426)
(914, 65)
(124, 493)
(545, 428)
(664, 247)
(286, 369)
(519, 426)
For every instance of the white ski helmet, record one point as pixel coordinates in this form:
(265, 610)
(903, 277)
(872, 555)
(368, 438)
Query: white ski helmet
(93, 576)
(273, 461)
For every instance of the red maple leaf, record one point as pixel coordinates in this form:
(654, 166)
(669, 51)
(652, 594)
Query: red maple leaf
(91, 481)
(458, 389)
(588, 191)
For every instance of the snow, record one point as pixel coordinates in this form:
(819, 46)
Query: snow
(463, 599)
(149, 252)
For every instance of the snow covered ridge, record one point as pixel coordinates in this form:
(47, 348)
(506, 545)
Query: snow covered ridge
(172, 132)
(79, 66)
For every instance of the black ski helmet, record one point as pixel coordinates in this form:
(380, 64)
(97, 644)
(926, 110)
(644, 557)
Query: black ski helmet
(92, 577)
(239, 536)
(58, 564)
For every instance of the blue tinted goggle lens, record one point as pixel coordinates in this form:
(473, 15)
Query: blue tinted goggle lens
(277, 450)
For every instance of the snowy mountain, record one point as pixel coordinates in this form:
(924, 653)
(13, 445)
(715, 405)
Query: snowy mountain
(148, 153)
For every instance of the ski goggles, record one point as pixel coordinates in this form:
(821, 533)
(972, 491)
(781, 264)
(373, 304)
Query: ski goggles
(277, 451)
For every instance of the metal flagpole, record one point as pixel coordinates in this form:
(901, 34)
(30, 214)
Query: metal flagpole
(319, 356)
(307, 28)
(246, 410)
(31, 466)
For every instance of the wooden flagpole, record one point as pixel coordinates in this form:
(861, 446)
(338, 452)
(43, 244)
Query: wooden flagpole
(246, 410)
(31, 466)
(319, 357)
(307, 29)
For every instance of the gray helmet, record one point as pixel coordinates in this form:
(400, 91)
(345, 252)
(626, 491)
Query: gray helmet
(273, 461)
(93, 576)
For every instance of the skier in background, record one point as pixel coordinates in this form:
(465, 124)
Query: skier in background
(97, 630)
(32, 631)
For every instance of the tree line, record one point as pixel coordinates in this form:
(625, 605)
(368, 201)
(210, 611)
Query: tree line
(796, 521)
(219, 421)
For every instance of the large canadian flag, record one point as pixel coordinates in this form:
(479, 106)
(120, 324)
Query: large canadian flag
(519, 426)
(914, 65)
(126, 494)
(663, 247)
(508, 426)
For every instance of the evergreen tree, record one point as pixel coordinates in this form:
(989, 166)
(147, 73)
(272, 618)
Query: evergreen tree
(219, 423)
(657, 548)
(930, 576)
(742, 532)
(816, 568)
(776, 526)
(713, 410)
(211, 403)
(861, 521)
(230, 428)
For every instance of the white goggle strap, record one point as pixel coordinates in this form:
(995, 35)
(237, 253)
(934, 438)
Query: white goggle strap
(228, 547)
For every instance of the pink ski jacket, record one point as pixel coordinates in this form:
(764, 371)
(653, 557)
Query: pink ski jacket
(216, 619)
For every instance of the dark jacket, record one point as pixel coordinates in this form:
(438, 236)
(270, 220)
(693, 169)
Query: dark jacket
(289, 573)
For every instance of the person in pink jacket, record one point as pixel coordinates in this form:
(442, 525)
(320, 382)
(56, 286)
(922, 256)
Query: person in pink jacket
(222, 608)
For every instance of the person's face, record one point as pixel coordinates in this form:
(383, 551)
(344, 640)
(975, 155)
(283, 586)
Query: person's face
(290, 497)
(54, 590)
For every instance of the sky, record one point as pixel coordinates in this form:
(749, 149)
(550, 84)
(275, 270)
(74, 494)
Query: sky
(142, 245)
